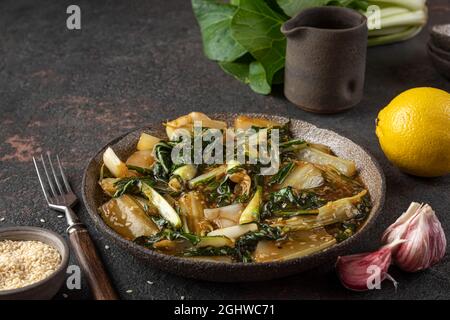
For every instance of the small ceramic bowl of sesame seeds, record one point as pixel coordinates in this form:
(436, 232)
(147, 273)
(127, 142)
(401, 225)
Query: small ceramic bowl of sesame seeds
(33, 263)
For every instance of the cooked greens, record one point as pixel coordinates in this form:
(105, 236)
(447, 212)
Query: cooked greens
(231, 209)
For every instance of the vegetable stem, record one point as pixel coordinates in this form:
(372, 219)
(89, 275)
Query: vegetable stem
(405, 35)
(409, 4)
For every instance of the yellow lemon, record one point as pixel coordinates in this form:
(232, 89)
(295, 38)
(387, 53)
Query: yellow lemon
(414, 132)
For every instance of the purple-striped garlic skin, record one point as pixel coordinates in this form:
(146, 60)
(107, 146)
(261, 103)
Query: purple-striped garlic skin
(425, 242)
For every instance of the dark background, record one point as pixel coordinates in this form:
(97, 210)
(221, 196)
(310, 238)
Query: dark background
(141, 62)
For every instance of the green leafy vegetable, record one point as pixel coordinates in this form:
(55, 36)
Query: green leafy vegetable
(163, 165)
(161, 204)
(239, 70)
(129, 185)
(246, 244)
(292, 7)
(257, 28)
(258, 78)
(214, 19)
(287, 202)
(210, 251)
(140, 170)
(244, 35)
(167, 234)
(282, 174)
(346, 231)
(252, 210)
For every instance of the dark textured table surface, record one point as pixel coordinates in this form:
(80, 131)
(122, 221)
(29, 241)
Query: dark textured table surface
(141, 62)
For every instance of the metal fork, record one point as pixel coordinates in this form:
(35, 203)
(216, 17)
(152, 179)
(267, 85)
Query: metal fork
(60, 197)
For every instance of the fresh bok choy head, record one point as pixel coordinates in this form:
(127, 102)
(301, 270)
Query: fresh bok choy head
(244, 36)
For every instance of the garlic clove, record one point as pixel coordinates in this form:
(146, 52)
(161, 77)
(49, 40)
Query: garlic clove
(425, 242)
(398, 228)
(366, 271)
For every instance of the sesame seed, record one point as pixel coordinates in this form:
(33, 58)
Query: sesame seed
(65, 296)
(42, 220)
(106, 247)
(182, 297)
(129, 291)
(2, 219)
(25, 262)
(60, 216)
(150, 282)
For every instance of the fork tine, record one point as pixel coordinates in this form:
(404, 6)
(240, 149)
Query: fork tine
(50, 182)
(55, 176)
(66, 182)
(40, 180)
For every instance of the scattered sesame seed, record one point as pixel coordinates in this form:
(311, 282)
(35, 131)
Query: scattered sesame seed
(129, 291)
(2, 219)
(60, 216)
(150, 282)
(65, 296)
(42, 220)
(182, 297)
(106, 247)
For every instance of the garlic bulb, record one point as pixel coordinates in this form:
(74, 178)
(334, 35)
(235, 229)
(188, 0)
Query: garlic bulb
(425, 241)
(366, 271)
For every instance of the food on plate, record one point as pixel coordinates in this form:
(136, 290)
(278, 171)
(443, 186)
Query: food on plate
(413, 131)
(241, 209)
(23, 263)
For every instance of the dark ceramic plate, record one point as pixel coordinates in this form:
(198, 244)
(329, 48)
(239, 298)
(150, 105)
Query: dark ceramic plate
(369, 170)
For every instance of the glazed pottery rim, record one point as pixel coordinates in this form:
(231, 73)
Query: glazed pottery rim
(233, 266)
(329, 9)
(64, 253)
(439, 52)
(438, 58)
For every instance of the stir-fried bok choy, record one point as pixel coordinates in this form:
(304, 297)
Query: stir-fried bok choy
(231, 211)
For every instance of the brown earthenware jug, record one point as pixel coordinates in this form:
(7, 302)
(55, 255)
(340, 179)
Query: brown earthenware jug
(325, 59)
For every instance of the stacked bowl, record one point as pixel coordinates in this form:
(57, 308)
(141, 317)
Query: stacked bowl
(439, 48)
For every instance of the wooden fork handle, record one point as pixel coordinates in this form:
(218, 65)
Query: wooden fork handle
(90, 263)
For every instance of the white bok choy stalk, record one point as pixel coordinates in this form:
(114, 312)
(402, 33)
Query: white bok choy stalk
(225, 216)
(234, 232)
(116, 166)
(252, 210)
(399, 20)
(164, 208)
(346, 167)
(147, 142)
(298, 244)
(331, 213)
(126, 216)
(186, 123)
(304, 176)
(140, 159)
(192, 216)
(182, 174)
(206, 177)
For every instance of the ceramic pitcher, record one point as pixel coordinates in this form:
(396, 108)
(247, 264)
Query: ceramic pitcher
(325, 59)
